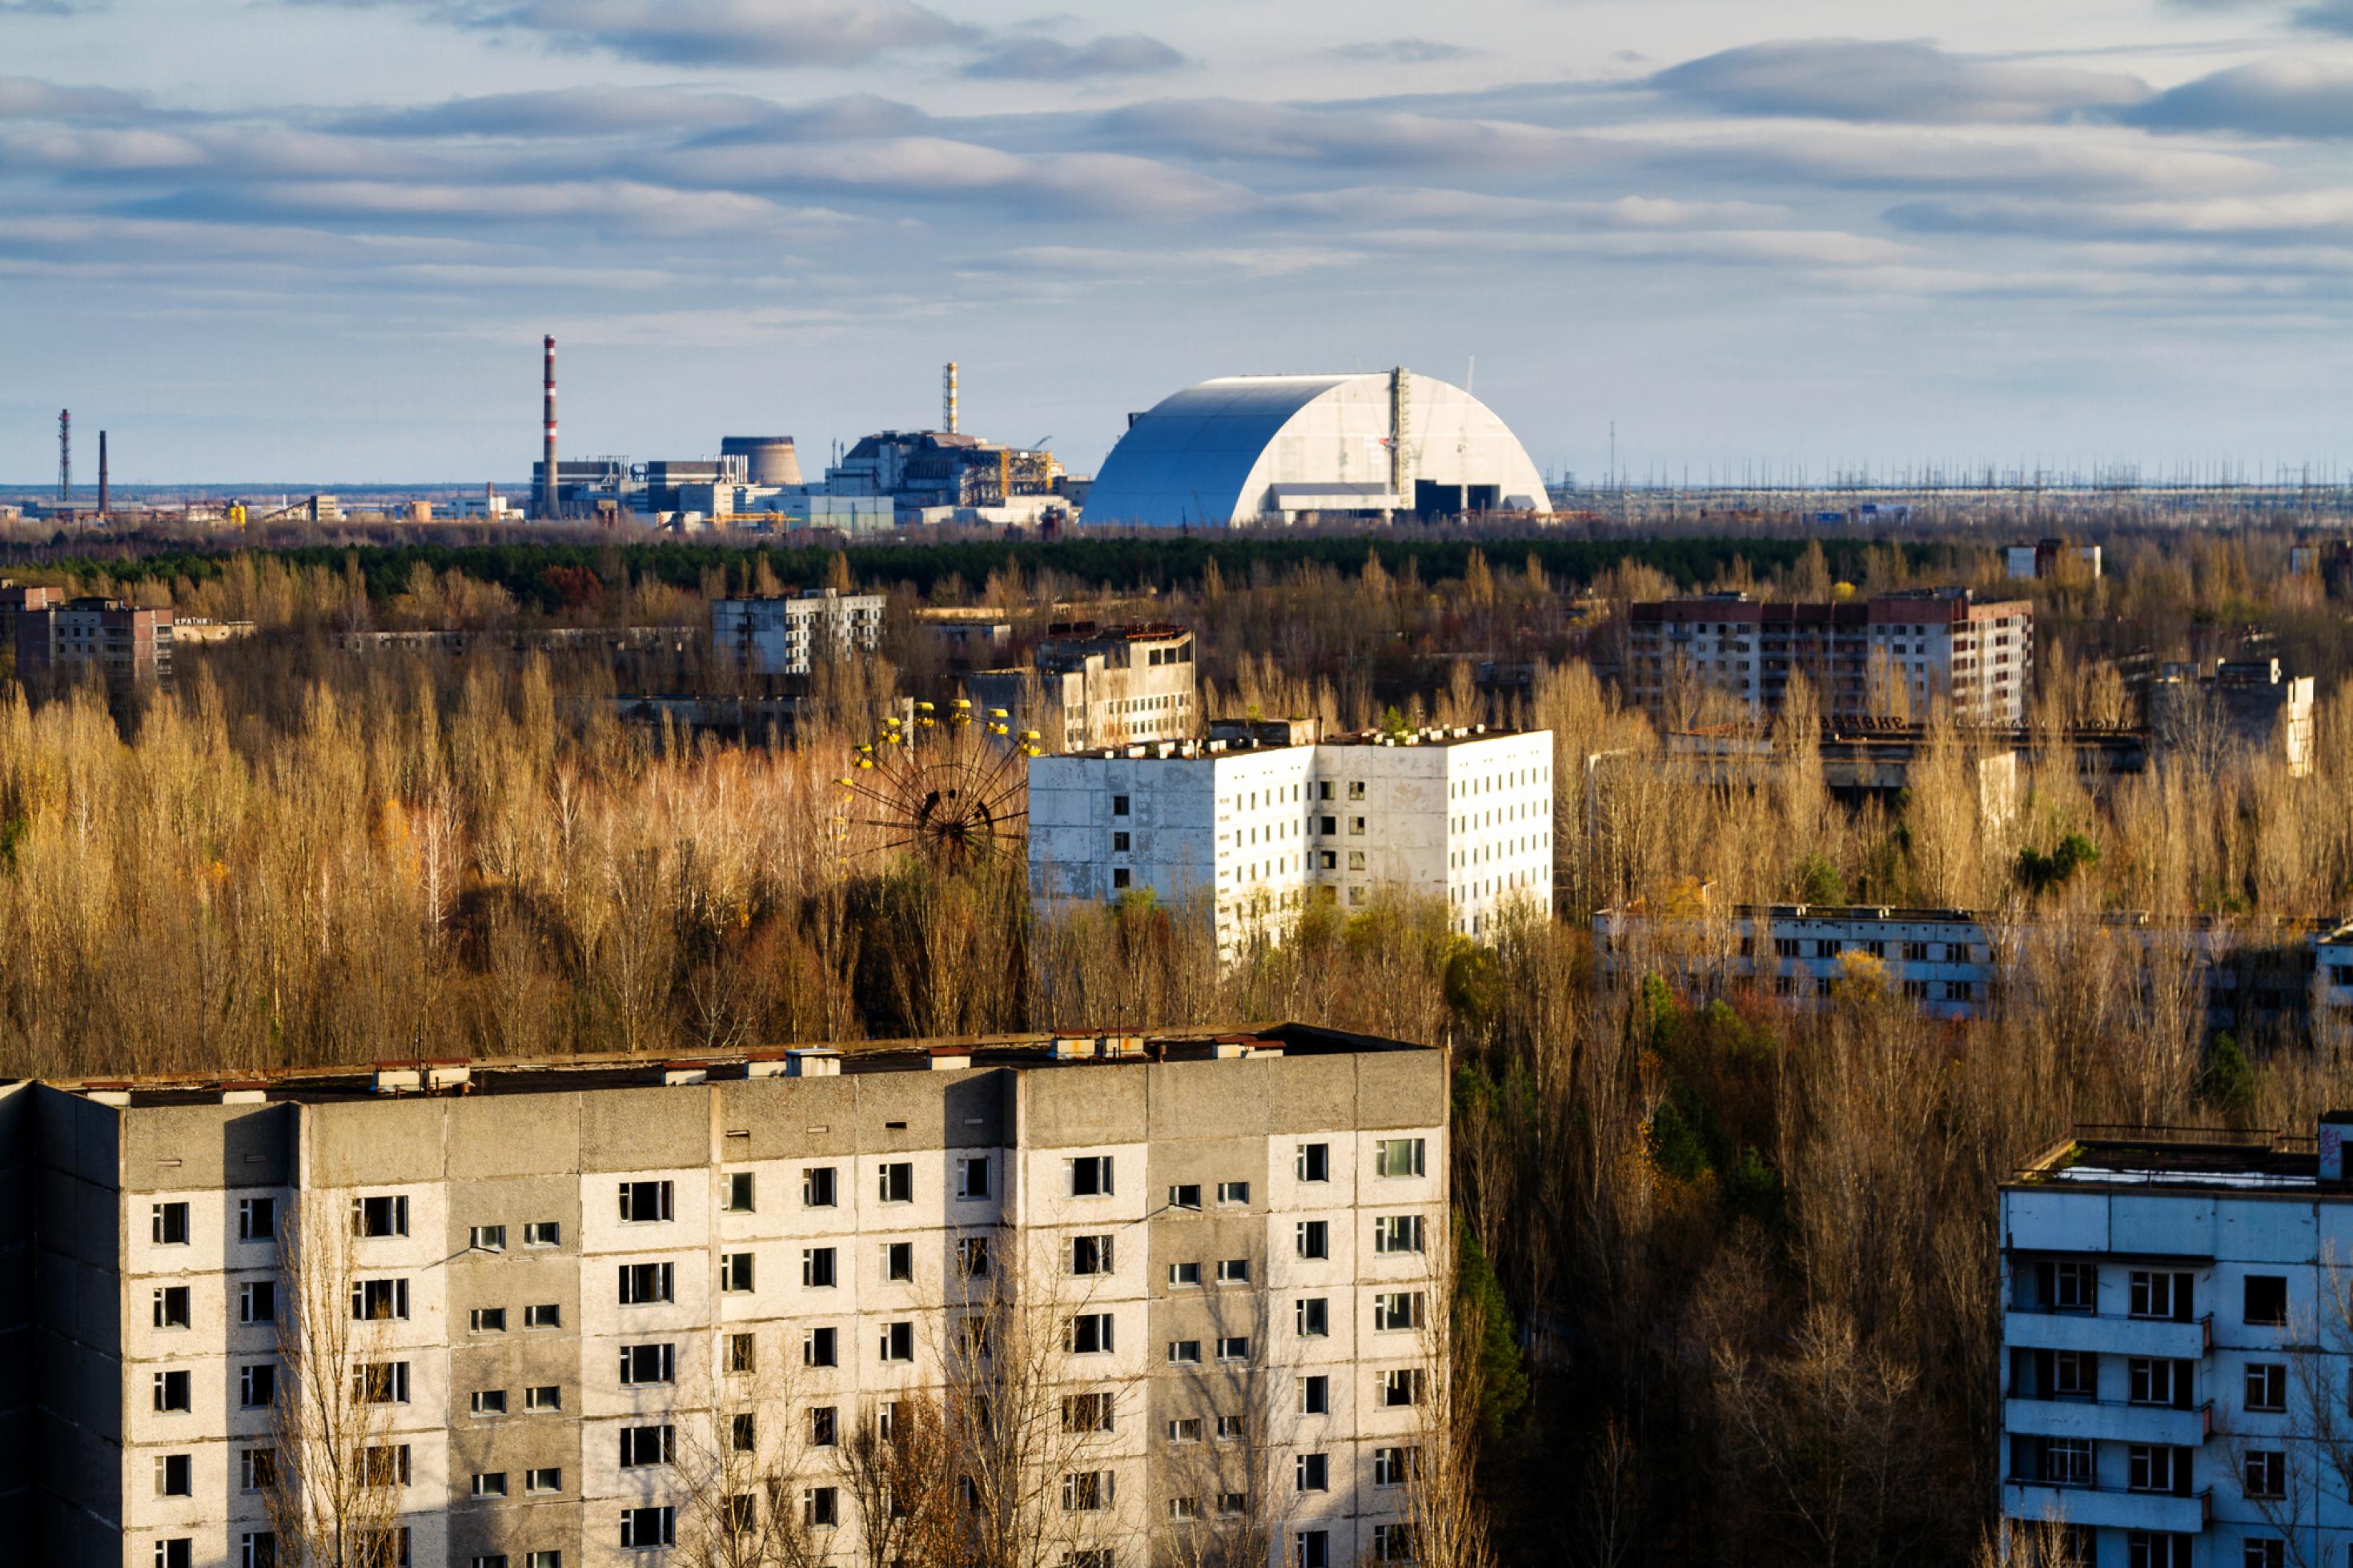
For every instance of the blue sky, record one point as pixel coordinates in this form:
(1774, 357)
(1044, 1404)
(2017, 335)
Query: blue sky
(319, 239)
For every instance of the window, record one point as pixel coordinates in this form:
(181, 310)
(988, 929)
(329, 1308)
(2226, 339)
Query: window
(1314, 1550)
(542, 1396)
(1314, 1163)
(1089, 1333)
(175, 1475)
(489, 1483)
(742, 1355)
(174, 1552)
(2067, 1461)
(545, 1560)
(1355, 829)
(1233, 1347)
(544, 1315)
(256, 1469)
(817, 1348)
(1181, 1508)
(643, 1528)
(1397, 1233)
(744, 1432)
(1400, 1387)
(381, 1383)
(384, 1465)
(734, 1272)
(816, 1187)
(2075, 1374)
(1232, 1505)
(1233, 1271)
(1230, 1194)
(645, 1203)
(542, 1481)
(899, 1261)
(1119, 843)
(499, 1560)
(2268, 1552)
(1397, 1157)
(379, 1300)
(1185, 1429)
(1121, 877)
(167, 1225)
(487, 1319)
(1185, 1196)
(825, 1426)
(256, 1219)
(739, 1192)
(1312, 1315)
(2153, 1381)
(2266, 1386)
(490, 1402)
(382, 1549)
(1090, 1255)
(1119, 806)
(543, 1233)
(1090, 1176)
(1086, 1411)
(1391, 1465)
(648, 1364)
(1184, 1276)
(646, 1446)
(2154, 1467)
(1230, 1428)
(1184, 1352)
(258, 1548)
(2266, 1300)
(1393, 1542)
(2264, 1474)
(897, 1341)
(380, 1217)
(171, 1306)
(1087, 1492)
(1315, 1396)
(172, 1391)
(645, 1282)
(1314, 1472)
(1397, 1309)
(972, 1257)
(2156, 1293)
(820, 1508)
(972, 1177)
(898, 1182)
(487, 1238)
(1314, 1238)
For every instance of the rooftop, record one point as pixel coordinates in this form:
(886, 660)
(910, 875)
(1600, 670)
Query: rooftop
(2193, 1157)
(557, 1075)
(1277, 735)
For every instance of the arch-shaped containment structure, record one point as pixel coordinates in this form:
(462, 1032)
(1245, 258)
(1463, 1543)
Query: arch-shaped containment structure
(1252, 448)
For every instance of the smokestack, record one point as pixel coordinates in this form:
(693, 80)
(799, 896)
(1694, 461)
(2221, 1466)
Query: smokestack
(65, 455)
(101, 473)
(948, 410)
(547, 458)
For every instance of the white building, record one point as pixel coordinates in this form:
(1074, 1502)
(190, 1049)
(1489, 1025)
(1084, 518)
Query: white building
(1259, 819)
(781, 635)
(2174, 1341)
(2049, 558)
(1100, 685)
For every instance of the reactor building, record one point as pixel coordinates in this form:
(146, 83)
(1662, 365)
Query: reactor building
(1280, 449)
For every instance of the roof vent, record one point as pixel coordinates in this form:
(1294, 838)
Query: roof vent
(813, 1061)
(448, 1075)
(391, 1079)
(685, 1072)
(949, 1059)
(108, 1096)
(249, 1091)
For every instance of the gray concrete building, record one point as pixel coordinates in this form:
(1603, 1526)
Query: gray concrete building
(559, 1272)
(2209, 712)
(1100, 685)
(781, 634)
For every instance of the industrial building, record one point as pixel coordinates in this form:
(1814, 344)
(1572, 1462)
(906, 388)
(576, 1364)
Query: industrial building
(581, 1287)
(2173, 1351)
(783, 634)
(1898, 655)
(1099, 686)
(126, 646)
(2047, 558)
(1249, 825)
(2208, 710)
(1278, 448)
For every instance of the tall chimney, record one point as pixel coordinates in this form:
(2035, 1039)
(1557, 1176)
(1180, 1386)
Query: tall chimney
(948, 410)
(101, 473)
(546, 508)
(65, 455)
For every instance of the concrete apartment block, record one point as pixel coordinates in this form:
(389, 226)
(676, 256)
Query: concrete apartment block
(2174, 1347)
(781, 635)
(555, 1252)
(1099, 686)
(1263, 817)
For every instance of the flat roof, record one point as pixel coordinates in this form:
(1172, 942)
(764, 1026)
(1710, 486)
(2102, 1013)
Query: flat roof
(1243, 745)
(567, 1074)
(2194, 1158)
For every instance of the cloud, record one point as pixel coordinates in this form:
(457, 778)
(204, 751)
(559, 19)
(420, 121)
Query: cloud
(1399, 52)
(25, 97)
(2320, 16)
(2306, 215)
(2098, 163)
(564, 113)
(708, 32)
(2271, 97)
(1226, 128)
(1873, 81)
(941, 170)
(1028, 58)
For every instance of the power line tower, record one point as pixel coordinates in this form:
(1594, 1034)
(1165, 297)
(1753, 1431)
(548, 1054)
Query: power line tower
(65, 455)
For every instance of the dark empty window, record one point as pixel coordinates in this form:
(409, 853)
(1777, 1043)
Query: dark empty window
(2267, 1299)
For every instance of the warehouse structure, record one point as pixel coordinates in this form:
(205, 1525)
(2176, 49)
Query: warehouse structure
(1252, 448)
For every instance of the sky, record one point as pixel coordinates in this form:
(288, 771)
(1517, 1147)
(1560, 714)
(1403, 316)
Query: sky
(319, 240)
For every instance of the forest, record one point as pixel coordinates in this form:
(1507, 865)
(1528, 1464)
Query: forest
(1749, 1249)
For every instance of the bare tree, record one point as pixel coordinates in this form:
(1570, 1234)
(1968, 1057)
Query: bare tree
(737, 1470)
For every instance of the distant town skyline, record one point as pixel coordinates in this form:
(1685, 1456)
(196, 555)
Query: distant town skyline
(320, 239)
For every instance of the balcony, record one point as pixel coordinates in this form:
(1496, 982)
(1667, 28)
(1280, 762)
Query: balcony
(2107, 1506)
(2109, 1420)
(2108, 1333)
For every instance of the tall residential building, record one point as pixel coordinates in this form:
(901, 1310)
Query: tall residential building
(1253, 823)
(128, 646)
(572, 1289)
(2245, 705)
(1898, 655)
(2174, 1347)
(1099, 686)
(781, 635)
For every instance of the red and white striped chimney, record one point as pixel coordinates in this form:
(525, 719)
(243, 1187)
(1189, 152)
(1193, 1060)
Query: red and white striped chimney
(547, 458)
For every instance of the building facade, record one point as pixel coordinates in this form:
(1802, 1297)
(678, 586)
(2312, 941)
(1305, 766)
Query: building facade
(2207, 711)
(1258, 820)
(1894, 656)
(126, 646)
(2175, 1348)
(782, 634)
(1100, 685)
(579, 1281)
